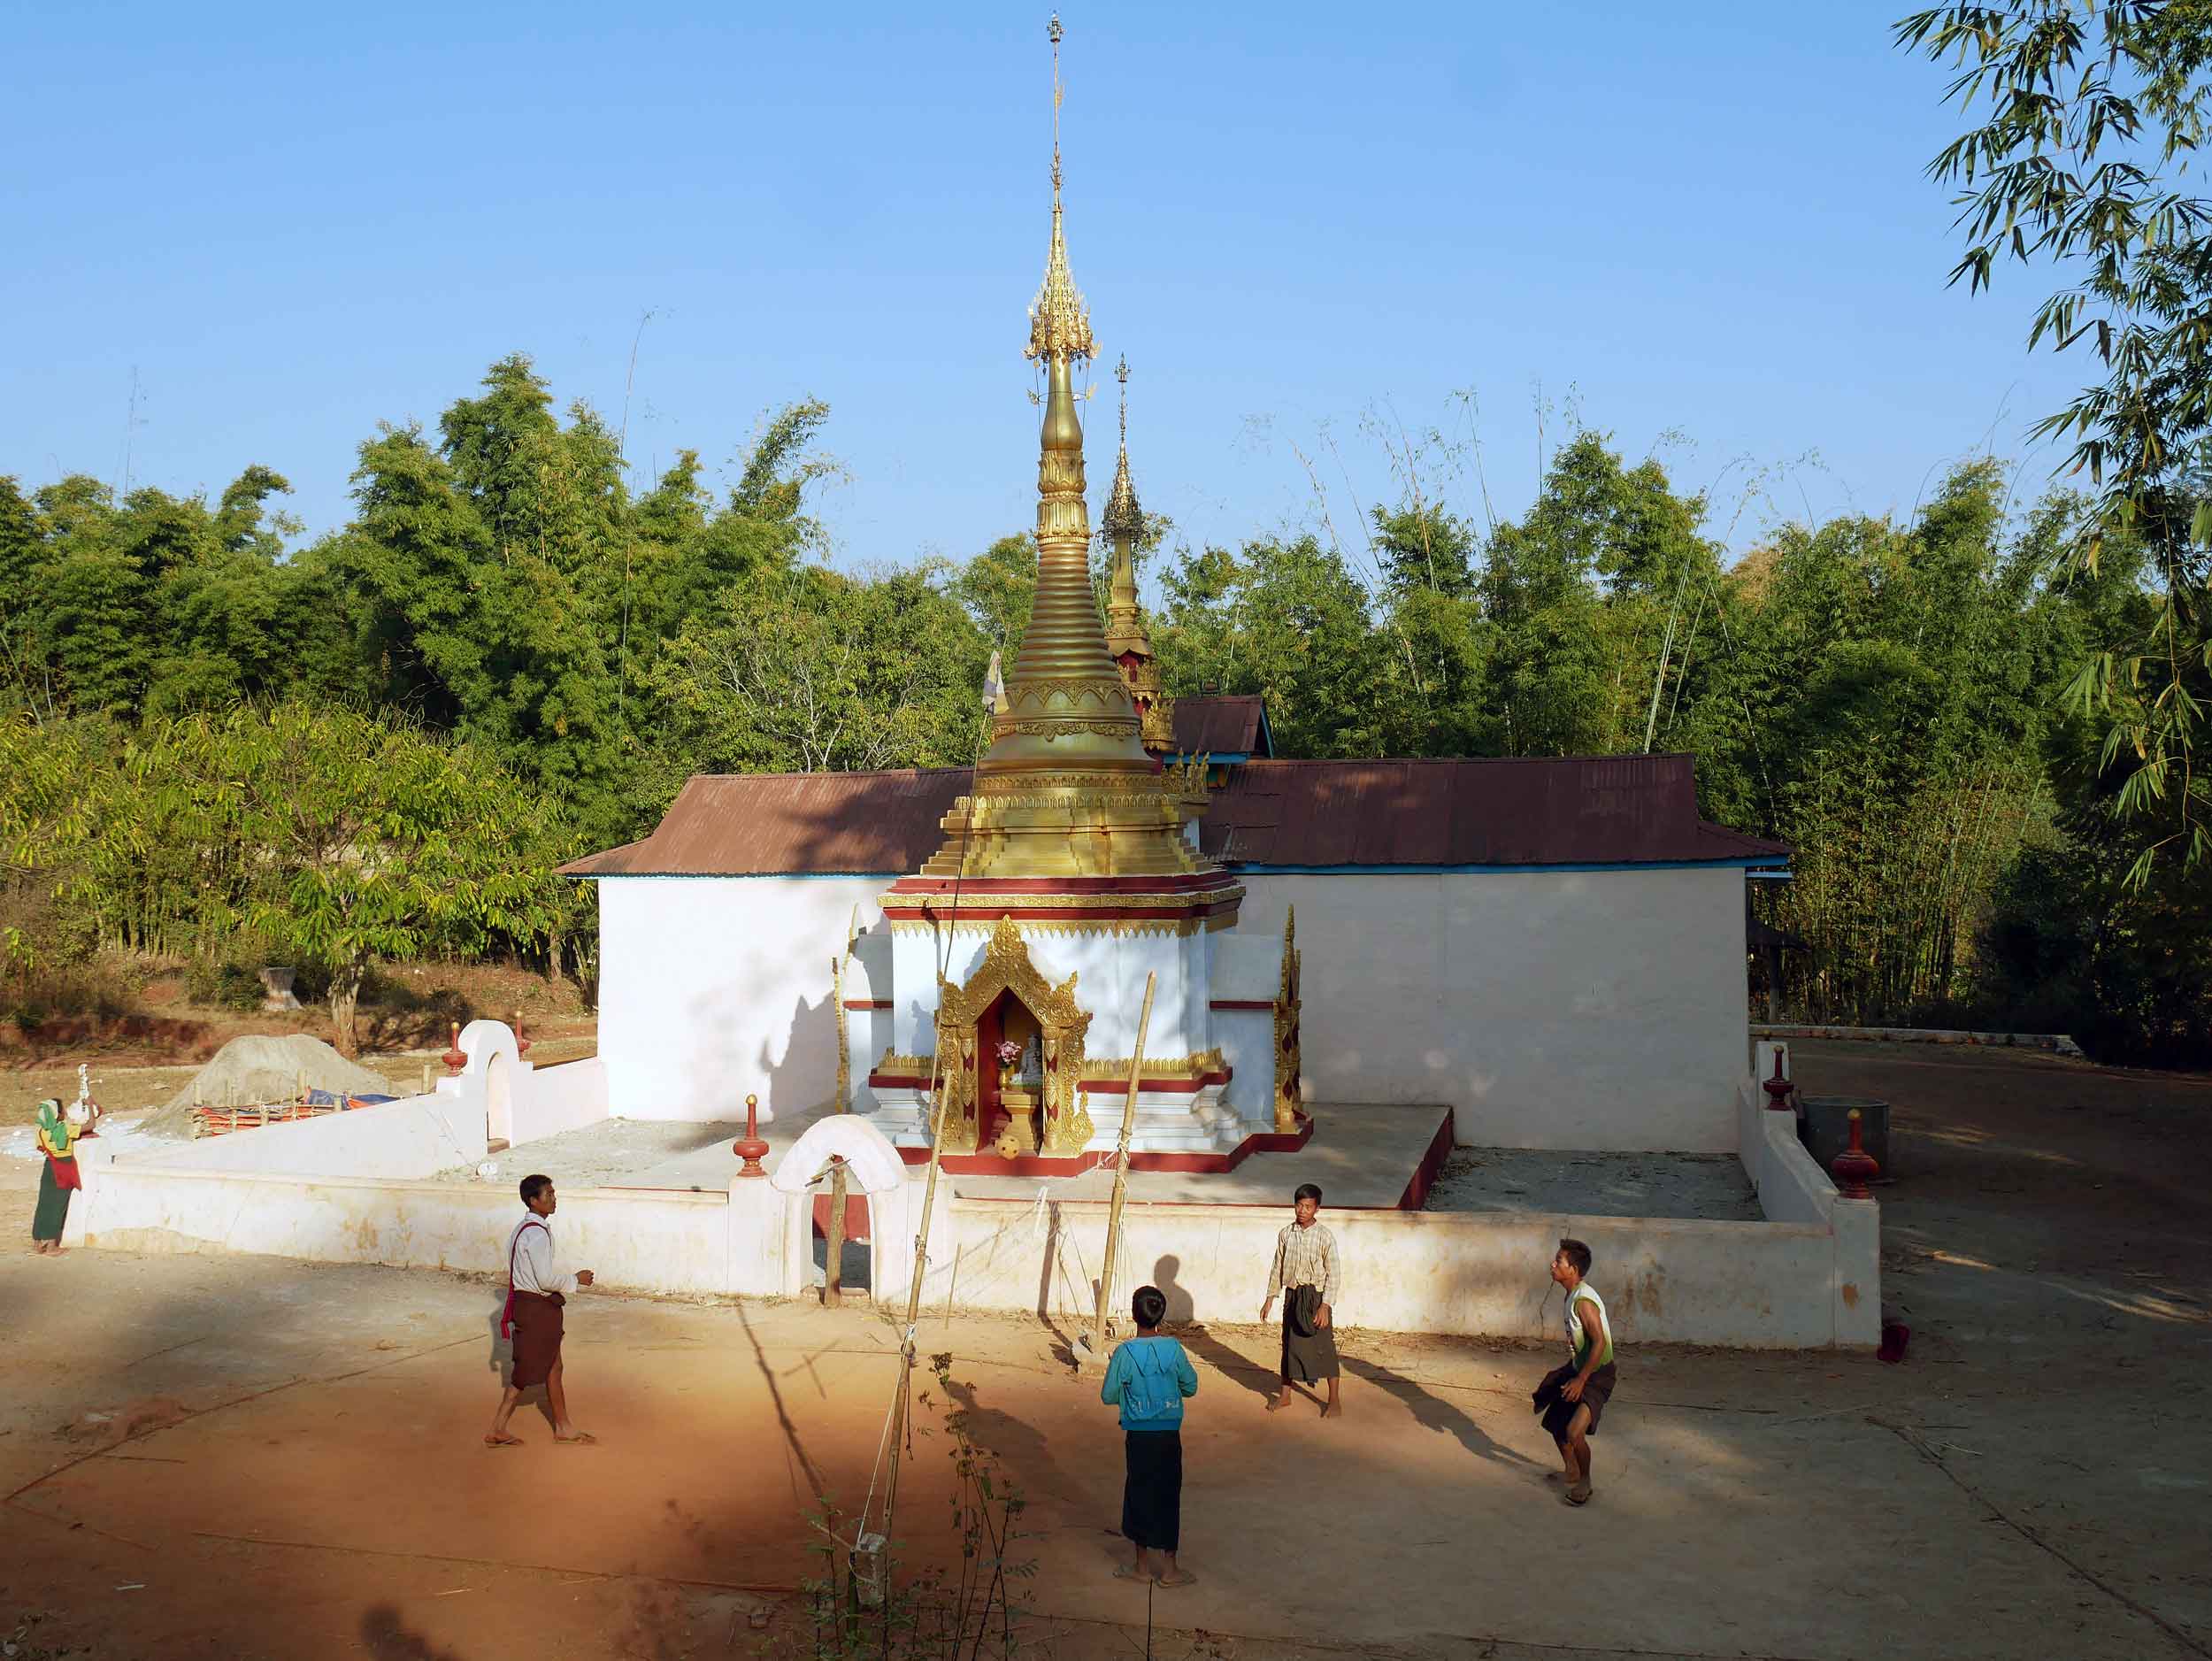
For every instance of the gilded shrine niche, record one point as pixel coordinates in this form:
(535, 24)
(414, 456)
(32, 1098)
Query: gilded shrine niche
(1006, 967)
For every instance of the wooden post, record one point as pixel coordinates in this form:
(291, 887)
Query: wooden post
(834, 1259)
(1121, 1174)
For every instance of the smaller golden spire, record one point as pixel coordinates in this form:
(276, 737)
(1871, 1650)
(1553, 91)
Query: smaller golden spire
(1123, 523)
(1123, 520)
(1059, 322)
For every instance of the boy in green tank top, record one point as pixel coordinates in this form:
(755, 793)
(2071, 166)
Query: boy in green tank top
(1572, 1398)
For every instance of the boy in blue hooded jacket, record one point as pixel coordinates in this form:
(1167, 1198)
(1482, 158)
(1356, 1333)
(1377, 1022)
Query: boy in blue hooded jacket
(1147, 1378)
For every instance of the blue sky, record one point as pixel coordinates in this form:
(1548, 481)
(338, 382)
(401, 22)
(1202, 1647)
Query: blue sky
(1703, 228)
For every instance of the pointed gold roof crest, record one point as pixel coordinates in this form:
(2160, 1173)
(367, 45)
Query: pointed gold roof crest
(1059, 322)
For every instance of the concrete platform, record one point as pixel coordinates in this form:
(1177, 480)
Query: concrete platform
(1711, 1188)
(1363, 1156)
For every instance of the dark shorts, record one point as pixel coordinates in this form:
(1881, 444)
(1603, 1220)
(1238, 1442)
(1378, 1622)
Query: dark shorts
(1558, 1413)
(1152, 1492)
(537, 1338)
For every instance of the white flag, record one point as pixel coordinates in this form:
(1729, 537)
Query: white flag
(993, 690)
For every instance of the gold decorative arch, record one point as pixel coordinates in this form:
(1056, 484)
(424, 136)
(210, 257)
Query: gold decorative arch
(1006, 967)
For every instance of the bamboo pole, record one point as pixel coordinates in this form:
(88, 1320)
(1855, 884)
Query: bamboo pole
(901, 1403)
(833, 1256)
(1097, 1347)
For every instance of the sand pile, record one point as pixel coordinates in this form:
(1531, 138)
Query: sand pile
(263, 1068)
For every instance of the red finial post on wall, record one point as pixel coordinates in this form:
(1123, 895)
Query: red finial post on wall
(751, 1149)
(522, 1044)
(1777, 1088)
(1854, 1168)
(455, 1057)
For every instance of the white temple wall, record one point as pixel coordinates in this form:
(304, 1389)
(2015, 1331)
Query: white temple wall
(1602, 1010)
(1110, 970)
(1246, 1040)
(711, 987)
(1596, 1010)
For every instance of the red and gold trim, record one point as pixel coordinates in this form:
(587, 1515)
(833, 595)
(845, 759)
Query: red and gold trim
(1075, 1165)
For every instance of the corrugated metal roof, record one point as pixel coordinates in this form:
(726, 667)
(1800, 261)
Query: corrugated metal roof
(1600, 809)
(785, 824)
(1214, 725)
(1603, 809)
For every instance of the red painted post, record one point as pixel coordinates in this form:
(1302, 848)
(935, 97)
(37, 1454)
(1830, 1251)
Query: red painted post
(1777, 1088)
(1854, 1168)
(455, 1059)
(522, 1044)
(751, 1149)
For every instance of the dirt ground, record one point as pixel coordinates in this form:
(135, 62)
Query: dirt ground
(245, 1458)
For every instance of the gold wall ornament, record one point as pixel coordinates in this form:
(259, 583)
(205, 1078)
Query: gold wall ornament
(1289, 1093)
(1059, 728)
(1112, 1072)
(1076, 689)
(1119, 927)
(1006, 967)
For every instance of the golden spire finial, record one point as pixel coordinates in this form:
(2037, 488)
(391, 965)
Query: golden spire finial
(1122, 522)
(1059, 322)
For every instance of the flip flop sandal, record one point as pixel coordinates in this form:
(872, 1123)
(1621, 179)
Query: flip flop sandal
(497, 1443)
(1125, 1573)
(1186, 1579)
(1580, 1494)
(581, 1439)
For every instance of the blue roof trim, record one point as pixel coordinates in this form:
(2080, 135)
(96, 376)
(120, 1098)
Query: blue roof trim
(1743, 861)
(736, 876)
(1749, 862)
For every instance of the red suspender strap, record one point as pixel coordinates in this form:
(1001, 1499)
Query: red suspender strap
(507, 1313)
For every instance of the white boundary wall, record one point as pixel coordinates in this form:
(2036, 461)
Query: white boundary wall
(1583, 1010)
(1810, 1277)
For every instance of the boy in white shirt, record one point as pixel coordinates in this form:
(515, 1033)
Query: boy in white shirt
(537, 1291)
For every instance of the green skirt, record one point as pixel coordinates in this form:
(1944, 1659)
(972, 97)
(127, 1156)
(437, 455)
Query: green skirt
(53, 1206)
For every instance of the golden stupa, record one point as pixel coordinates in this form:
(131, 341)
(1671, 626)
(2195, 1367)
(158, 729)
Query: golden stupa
(1067, 789)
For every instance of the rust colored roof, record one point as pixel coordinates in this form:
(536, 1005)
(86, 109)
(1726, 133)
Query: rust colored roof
(1305, 815)
(1223, 727)
(788, 824)
(1570, 810)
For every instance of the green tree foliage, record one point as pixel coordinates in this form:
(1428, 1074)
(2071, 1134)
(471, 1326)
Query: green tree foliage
(329, 836)
(389, 845)
(1288, 619)
(810, 671)
(1885, 695)
(2087, 112)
